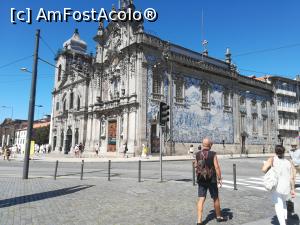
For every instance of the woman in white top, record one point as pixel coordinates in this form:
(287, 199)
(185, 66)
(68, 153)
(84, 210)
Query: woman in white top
(286, 182)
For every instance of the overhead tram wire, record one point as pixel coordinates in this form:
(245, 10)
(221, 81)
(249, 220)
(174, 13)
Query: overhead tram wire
(45, 61)
(254, 71)
(267, 50)
(15, 61)
(47, 45)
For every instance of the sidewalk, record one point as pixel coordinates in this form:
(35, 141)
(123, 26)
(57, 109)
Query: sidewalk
(67, 158)
(292, 220)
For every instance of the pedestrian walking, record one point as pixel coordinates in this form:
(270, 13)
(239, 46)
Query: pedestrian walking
(76, 149)
(144, 151)
(208, 178)
(125, 149)
(81, 149)
(8, 152)
(4, 152)
(283, 169)
(191, 151)
(295, 157)
(97, 149)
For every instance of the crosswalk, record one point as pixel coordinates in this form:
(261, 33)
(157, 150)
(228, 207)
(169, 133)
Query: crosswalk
(252, 183)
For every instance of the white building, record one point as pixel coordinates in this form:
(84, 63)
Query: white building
(287, 99)
(112, 98)
(20, 138)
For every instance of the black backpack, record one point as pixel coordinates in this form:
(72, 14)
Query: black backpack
(203, 172)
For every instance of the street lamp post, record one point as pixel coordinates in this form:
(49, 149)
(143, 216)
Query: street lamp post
(31, 105)
(9, 107)
(298, 109)
(38, 112)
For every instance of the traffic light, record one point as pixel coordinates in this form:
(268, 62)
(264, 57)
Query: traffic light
(163, 113)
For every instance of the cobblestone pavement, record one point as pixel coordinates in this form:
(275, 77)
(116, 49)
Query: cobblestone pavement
(42, 201)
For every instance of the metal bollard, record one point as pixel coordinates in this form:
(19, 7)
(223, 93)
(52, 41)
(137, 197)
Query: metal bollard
(194, 174)
(234, 177)
(109, 162)
(81, 174)
(55, 171)
(140, 165)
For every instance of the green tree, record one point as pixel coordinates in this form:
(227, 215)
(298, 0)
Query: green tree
(41, 135)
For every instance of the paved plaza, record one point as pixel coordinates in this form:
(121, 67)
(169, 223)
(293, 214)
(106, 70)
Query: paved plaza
(123, 200)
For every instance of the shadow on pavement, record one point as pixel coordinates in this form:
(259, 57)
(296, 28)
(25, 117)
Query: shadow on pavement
(78, 173)
(226, 213)
(41, 196)
(292, 220)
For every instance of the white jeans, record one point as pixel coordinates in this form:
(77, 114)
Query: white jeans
(280, 207)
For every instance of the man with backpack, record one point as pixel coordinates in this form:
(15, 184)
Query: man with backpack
(208, 177)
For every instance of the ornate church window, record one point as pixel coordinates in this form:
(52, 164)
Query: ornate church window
(243, 117)
(179, 91)
(71, 100)
(59, 73)
(227, 100)
(205, 95)
(57, 106)
(265, 125)
(64, 106)
(254, 123)
(78, 103)
(264, 105)
(156, 87)
(242, 100)
(61, 139)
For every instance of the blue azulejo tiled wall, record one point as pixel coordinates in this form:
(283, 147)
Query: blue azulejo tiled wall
(192, 123)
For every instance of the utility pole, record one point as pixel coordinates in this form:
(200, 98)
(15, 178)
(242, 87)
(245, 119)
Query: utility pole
(298, 109)
(31, 105)
(160, 151)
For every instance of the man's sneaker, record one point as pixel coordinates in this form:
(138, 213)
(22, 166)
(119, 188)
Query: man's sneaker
(221, 219)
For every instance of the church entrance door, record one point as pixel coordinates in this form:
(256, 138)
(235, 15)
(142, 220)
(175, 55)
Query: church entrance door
(243, 144)
(112, 135)
(68, 141)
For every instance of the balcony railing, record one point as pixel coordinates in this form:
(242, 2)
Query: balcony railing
(287, 127)
(287, 109)
(285, 92)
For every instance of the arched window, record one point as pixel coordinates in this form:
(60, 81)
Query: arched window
(263, 105)
(71, 100)
(227, 100)
(242, 100)
(59, 73)
(76, 136)
(65, 106)
(78, 103)
(179, 90)
(54, 142)
(254, 123)
(57, 106)
(205, 95)
(62, 138)
(156, 86)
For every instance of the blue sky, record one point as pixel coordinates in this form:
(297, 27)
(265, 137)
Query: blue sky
(244, 26)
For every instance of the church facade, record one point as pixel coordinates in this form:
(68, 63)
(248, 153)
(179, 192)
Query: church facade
(112, 99)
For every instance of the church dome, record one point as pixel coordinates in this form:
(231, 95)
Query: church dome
(75, 43)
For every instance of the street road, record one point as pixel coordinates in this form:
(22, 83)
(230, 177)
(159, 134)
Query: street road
(67, 200)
